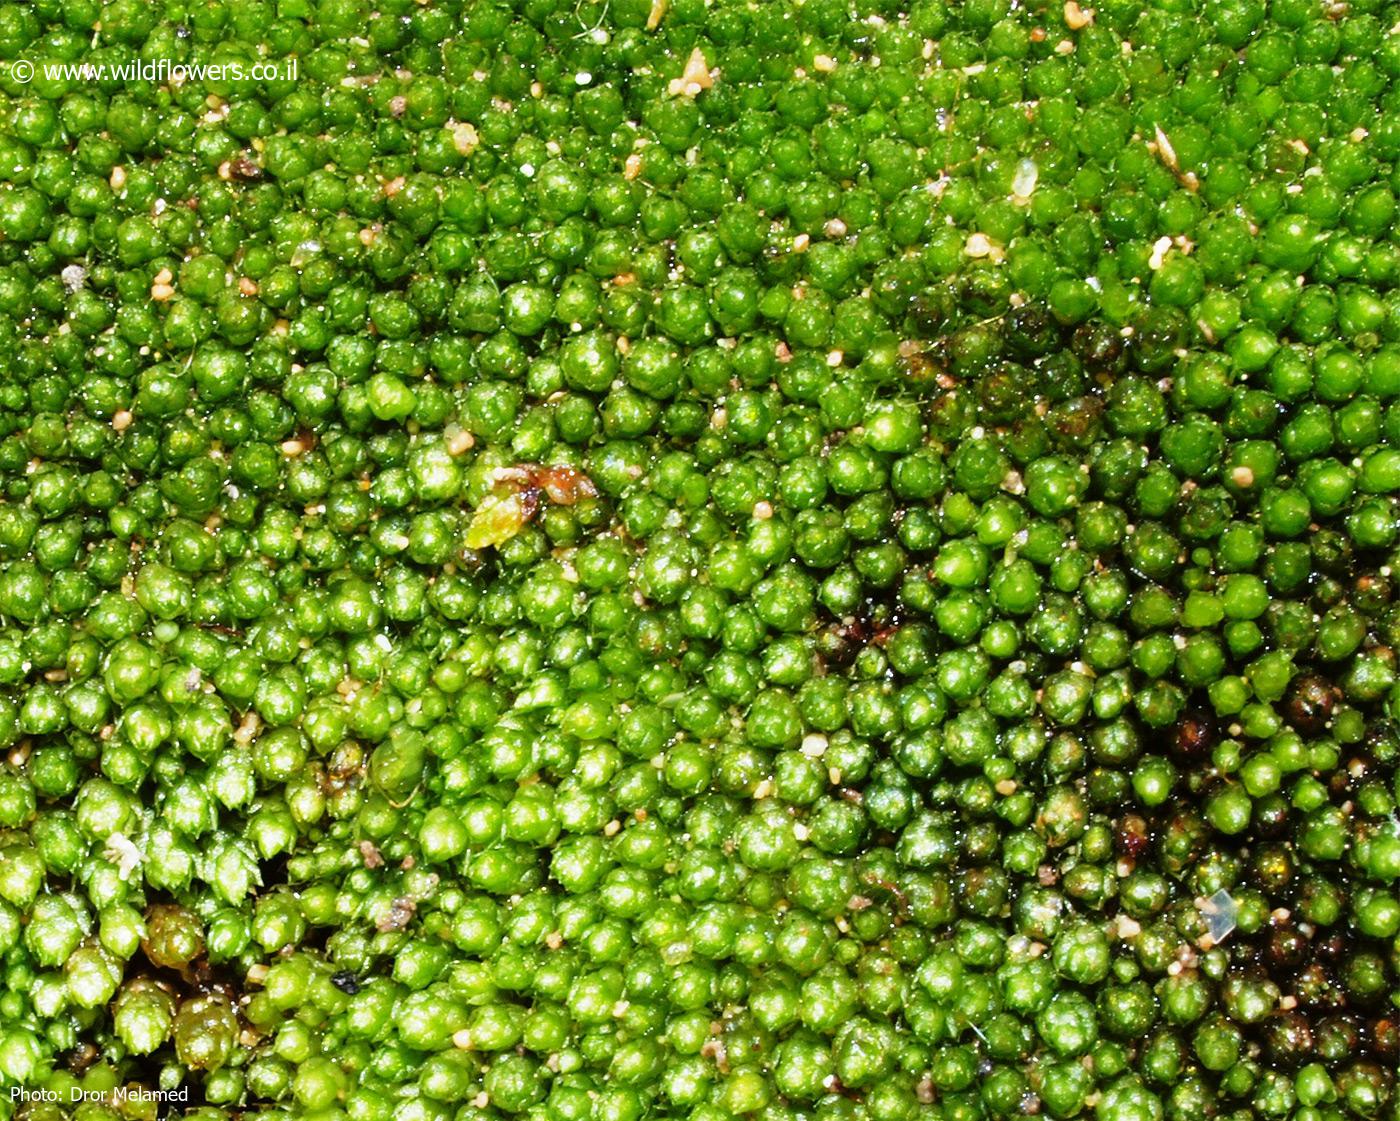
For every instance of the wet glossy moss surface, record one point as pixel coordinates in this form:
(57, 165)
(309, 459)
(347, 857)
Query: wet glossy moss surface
(615, 561)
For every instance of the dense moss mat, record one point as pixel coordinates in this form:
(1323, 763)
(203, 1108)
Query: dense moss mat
(817, 561)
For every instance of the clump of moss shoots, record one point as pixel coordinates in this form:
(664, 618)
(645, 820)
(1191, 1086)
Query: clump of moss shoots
(627, 560)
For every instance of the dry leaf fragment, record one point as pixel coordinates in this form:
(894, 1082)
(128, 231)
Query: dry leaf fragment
(1162, 146)
(694, 79)
(980, 245)
(161, 288)
(1023, 185)
(399, 915)
(464, 138)
(1077, 18)
(1164, 149)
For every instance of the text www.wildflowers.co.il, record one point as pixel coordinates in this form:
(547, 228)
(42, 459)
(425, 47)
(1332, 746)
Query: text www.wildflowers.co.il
(163, 70)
